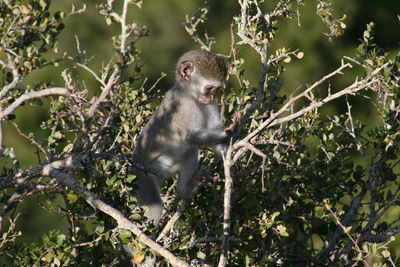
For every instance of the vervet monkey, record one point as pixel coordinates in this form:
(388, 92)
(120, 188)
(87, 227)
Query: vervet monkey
(187, 119)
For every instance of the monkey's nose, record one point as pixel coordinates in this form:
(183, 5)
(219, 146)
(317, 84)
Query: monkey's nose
(209, 88)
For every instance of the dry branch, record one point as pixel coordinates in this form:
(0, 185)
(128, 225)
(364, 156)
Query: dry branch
(273, 120)
(32, 95)
(105, 92)
(16, 76)
(223, 260)
(123, 222)
(54, 170)
(174, 219)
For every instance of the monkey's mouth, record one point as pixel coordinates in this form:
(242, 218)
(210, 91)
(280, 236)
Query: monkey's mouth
(206, 98)
(208, 94)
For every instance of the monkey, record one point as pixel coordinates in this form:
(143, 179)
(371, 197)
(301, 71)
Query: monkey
(186, 120)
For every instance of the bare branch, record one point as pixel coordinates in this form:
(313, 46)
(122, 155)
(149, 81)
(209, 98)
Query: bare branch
(32, 95)
(16, 76)
(14, 199)
(346, 219)
(346, 231)
(156, 82)
(33, 140)
(356, 62)
(101, 81)
(124, 28)
(1, 134)
(223, 260)
(288, 104)
(382, 237)
(9, 236)
(367, 82)
(181, 209)
(206, 239)
(106, 91)
(123, 222)
(174, 218)
(185, 203)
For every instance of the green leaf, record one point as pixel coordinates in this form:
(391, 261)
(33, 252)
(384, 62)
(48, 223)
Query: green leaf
(282, 230)
(300, 55)
(48, 257)
(125, 235)
(111, 180)
(58, 135)
(136, 217)
(369, 62)
(386, 253)
(100, 227)
(60, 239)
(130, 178)
(68, 148)
(72, 197)
(201, 255)
(275, 214)
(138, 118)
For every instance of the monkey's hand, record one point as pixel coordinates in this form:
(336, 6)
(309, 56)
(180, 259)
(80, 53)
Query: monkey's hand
(236, 117)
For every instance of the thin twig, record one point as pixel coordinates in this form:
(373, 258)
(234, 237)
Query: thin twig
(156, 82)
(101, 81)
(206, 239)
(105, 92)
(33, 140)
(346, 231)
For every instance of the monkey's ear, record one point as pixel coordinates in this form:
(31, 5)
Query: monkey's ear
(185, 70)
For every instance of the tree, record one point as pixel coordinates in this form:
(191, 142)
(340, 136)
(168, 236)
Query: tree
(296, 187)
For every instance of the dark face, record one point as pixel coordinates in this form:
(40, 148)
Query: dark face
(202, 88)
(207, 95)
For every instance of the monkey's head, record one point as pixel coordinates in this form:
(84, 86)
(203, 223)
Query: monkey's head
(202, 73)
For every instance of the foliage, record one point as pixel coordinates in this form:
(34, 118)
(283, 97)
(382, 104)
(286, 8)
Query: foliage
(306, 189)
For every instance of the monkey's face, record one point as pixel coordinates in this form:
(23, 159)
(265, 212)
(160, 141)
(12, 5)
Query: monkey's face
(206, 89)
(201, 74)
(208, 94)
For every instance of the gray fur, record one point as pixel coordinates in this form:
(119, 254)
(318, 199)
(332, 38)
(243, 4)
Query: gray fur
(169, 143)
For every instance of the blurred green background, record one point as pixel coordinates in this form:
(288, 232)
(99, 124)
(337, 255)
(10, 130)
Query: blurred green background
(168, 40)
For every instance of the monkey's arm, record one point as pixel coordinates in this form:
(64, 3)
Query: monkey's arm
(204, 137)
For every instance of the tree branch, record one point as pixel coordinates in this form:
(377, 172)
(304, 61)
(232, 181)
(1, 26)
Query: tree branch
(16, 76)
(272, 120)
(124, 35)
(32, 95)
(123, 222)
(105, 92)
(223, 260)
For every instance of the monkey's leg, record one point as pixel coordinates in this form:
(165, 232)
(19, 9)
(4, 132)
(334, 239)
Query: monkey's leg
(187, 173)
(219, 149)
(148, 195)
